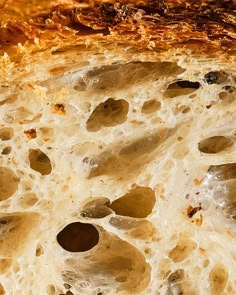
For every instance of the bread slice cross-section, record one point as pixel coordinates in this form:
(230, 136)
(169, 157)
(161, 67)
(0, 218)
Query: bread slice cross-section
(117, 147)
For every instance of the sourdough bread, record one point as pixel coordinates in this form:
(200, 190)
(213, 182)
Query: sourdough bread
(117, 142)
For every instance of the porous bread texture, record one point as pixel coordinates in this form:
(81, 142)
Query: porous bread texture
(118, 163)
(110, 181)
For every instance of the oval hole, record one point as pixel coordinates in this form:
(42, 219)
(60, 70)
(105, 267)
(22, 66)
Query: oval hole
(6, 133)
(150, 106)
(40, 162)
(218, 278)
(214, 144)
(8, 183)
(181, 88)
(78, 237)
(6, 150)
(138, 203)
(107, 114)
(215, 77)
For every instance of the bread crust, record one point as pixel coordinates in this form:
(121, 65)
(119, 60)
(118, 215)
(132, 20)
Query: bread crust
(207, 27)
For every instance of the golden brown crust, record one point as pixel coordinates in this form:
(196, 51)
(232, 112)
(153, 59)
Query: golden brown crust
(207, 26)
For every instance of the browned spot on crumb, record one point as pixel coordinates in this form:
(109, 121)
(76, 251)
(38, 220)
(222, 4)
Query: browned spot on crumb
(199, 220)
(31, 86)
(14, 161)
(191, 211)
(197, 181)
(59, 109)
(229, 233)
(31, 133)
(202, 250)
(187, 196)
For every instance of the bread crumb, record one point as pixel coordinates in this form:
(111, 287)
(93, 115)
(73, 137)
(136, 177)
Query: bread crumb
(197, 181)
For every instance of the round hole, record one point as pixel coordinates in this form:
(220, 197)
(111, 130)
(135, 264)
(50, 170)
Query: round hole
(78, 237)
(214, 144)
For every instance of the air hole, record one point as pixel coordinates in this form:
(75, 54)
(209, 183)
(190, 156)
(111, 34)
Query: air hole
(143, 145)
(218, 278)
(46, 133)
(220, 184)
(80, 85)
(222, 172)
(96, 208)
(2, 291)
(228, 94)
(174, 282)
(135, 228)
(6, 133)
(78, 237)
(214, 144)
(28, 200)
(182, 250)
(121, 76)
(8, 183)
(184, 109)
(181, 88)
(5, 264)
(67, 286)
(206, 263)
(51, 290)
(109, 113)
(15, 230)
(138, 203)
(8, 100)
(215, 77)
(40, 162)
(150, 106)
(6, 150)
(130, 159)
(39, 250)
(178, 283)
(112, 258)
(176, 276)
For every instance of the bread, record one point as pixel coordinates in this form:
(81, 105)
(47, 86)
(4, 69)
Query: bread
(118, 162)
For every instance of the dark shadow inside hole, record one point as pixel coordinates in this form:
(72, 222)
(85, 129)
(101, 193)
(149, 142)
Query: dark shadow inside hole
(40, 162)
(181, 88)
(188, 84)
(214, 144)
(6, 150)
(68, 293)
(78, 237)
(215, 77)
